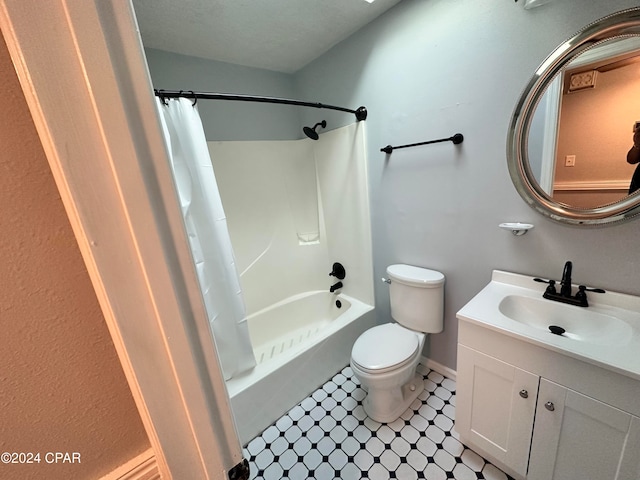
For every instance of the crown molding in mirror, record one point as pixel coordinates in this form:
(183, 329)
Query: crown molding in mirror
(622, 24)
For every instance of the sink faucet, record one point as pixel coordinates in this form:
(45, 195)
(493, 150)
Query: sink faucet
(565, 296)
(565, 283)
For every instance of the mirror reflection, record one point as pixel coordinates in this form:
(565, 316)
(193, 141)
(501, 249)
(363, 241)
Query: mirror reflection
(582, 134)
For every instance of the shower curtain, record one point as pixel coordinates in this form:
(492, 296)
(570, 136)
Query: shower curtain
(206, 227)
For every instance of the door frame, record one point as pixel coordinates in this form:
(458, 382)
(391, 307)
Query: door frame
(84, 75)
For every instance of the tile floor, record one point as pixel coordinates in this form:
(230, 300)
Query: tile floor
(328, 436)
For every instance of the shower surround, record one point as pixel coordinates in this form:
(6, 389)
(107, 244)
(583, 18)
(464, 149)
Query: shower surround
(293, 209)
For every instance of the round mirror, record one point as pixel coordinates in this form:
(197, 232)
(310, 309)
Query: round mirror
(570, 147)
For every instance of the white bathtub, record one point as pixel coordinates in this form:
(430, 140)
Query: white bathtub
(299, 343)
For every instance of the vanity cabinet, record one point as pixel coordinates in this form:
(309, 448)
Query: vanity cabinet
(537, 429)
(543, 406)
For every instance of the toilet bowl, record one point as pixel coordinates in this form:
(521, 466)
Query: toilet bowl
(384, 358)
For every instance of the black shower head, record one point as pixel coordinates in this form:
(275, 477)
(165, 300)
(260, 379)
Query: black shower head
(311, 132)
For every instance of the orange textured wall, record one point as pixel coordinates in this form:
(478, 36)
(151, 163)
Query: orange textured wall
(596, 125)
(62, 388)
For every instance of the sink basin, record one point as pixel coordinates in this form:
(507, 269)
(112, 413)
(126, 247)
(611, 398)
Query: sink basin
(580, 324)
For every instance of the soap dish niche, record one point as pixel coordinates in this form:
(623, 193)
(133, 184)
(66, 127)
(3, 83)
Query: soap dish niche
(517, 228)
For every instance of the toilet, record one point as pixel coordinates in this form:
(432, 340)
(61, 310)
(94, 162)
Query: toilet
(384, 358)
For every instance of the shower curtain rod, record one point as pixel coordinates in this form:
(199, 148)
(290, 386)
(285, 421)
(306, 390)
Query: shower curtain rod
(360, 113)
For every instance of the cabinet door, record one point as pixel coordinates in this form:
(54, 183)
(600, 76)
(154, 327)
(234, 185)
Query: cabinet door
(495, 407)
(576, 436)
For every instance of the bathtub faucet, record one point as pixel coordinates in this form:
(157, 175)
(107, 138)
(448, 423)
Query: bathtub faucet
(338, 271)
(335, 286)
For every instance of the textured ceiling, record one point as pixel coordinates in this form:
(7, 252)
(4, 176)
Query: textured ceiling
(280, 35)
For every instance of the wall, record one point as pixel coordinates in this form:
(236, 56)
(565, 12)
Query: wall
(269, 194)
(429, 69)
(256, 183)
(62, 388)
(230, 120)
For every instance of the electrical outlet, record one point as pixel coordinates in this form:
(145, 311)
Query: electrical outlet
(570, 161)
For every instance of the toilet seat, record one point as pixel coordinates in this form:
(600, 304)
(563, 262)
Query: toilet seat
(384, 348)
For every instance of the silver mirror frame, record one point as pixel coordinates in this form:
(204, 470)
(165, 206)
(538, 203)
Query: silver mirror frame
(624, 23)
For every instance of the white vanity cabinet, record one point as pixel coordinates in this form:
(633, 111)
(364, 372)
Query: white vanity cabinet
(550, 406)
(537, 429)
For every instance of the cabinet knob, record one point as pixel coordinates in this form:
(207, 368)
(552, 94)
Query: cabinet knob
(524, 394)
(550, 406)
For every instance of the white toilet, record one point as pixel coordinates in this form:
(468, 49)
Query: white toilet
(385, 357)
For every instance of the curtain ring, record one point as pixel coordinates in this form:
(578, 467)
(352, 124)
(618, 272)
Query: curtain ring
(163, 99)
(195, 98)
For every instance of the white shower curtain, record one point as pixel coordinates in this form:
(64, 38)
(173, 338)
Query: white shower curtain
(206, 226)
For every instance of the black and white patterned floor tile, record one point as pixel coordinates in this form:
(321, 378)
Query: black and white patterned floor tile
(328, 436)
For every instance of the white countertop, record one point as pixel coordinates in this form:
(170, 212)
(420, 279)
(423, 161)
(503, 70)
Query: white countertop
(621, 355)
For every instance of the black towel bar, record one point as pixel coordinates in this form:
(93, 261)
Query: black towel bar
(456, 139)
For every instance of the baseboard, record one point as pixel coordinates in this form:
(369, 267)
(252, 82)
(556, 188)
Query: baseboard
(438, 367)
(141, 467)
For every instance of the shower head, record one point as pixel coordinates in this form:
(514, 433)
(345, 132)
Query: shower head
(311, 132)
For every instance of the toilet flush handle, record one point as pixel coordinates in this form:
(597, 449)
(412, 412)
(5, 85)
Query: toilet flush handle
(386, 280)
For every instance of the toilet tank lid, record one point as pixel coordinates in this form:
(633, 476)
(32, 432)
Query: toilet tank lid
(415, 276)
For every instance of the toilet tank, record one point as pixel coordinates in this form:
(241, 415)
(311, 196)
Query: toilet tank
(417, 297)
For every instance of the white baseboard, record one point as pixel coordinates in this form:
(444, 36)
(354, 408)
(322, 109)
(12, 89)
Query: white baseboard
(141, 467)
(438, 367)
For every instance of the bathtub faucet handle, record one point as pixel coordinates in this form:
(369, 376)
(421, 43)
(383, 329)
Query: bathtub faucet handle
(338, 271)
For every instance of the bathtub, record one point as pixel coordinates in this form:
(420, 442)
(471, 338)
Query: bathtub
(299, 343)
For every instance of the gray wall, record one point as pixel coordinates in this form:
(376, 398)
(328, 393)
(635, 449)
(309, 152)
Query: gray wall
(428, 69)
(226, 120)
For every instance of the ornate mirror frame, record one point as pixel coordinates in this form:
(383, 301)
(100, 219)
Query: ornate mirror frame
(622, 24)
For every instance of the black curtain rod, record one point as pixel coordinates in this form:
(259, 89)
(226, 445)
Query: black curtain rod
(360, 113)
(456, 139)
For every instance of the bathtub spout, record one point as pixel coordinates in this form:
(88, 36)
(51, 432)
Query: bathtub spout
(335, 286)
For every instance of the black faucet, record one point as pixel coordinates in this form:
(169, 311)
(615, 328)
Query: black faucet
(335, 286)
(565, 283)
(338, 271)
(565, 296)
